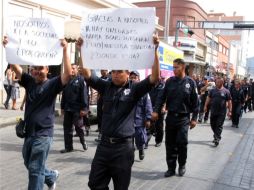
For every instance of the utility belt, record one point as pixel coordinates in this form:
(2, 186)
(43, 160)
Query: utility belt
(178, 114)
(113, 140)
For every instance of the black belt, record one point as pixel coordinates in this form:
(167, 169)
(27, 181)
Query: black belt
(178, 114)
(113, 140)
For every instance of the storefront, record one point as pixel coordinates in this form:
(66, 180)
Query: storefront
(194, 54)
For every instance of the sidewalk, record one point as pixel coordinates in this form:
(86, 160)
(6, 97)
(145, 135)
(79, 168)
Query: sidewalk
(226, 167)
(9, 117)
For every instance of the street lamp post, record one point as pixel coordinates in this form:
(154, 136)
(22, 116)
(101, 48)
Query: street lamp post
(167, 17)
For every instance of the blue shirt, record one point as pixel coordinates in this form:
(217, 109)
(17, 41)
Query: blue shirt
(41, 121)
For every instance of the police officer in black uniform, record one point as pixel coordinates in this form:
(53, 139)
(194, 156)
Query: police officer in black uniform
(180, 94)
(219, 99)
(252, 94)
(237, 103)
(245, 88)
(114, 155)
(74, 105)
(158, 125)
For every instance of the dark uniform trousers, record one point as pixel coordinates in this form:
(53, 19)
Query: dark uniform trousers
(156, 129)
(70, 119)
(216, 121)
(112, 160)
(176, 141)
(236, 112)
(159, 132)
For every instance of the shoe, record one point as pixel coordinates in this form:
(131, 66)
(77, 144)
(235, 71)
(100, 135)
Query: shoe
(6, 106)
(236, 126)
(233, 125)
(181, 170)
(157, 144)
(66, 151)
(52, 187)
(216, 143)
(169, 173)
(85, 147)
(205, 121)
(200, 121)
(97, 130)
(141, 154)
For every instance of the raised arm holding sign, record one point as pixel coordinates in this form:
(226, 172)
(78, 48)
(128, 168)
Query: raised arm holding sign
(41, 95)
(115, 154)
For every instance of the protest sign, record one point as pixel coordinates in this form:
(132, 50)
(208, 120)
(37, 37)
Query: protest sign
(34, 41)
(118, 39)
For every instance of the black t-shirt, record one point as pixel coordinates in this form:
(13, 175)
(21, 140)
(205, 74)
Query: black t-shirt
(41, 121)
(219, 97)
(119, 105)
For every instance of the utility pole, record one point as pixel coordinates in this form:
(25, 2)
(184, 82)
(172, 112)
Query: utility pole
(229, 51)
(167, 19)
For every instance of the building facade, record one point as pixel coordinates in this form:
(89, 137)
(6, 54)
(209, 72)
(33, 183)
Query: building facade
(194, 46)
(237, 38)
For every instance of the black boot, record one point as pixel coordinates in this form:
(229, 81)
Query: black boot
(181, 170)
(141, 154)
(169, 173)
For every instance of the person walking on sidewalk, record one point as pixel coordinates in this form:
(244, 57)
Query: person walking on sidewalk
(74, 106)
(114, 155)
(237, 103)
(142, 118)
(41, 92)
(181, 97)
(218, 98)
(7, 85)
(15, 92)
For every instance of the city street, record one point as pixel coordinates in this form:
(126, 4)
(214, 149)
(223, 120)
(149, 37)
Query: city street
(229, 166)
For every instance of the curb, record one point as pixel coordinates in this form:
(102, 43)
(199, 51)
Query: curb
(11, 121)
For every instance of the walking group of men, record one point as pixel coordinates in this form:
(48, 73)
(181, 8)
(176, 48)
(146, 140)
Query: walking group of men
(127, 110)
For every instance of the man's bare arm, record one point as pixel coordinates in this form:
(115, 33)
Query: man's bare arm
(65, 77)
(156, 66)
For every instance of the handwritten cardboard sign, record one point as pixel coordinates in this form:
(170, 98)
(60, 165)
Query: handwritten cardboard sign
(34, 41)
(118, 39)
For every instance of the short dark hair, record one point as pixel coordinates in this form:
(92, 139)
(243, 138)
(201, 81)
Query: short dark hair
(179, 61)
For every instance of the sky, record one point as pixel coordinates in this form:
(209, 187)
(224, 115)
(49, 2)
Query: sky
(241, 7)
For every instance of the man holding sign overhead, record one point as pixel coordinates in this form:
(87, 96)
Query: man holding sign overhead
(114, 156)
(41, 95)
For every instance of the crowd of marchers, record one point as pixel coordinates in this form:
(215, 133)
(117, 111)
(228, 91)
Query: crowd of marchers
(130, 111)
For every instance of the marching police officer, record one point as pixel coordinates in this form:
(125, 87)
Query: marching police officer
(158, 125)
(237, 103)
(74, 105)
(114, 155)
(180, 94)
(142, 118)
(219, 98)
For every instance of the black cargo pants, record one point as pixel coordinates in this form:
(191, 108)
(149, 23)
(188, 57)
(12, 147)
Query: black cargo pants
(176, 141)
(112, 161)
(217, 122)
(70, 119)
